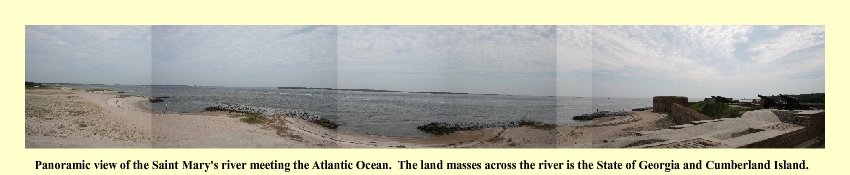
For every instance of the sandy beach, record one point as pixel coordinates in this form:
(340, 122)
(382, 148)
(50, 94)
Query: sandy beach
(64, 118)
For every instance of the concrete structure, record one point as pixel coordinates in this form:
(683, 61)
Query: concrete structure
(755, 129)
(662, 103)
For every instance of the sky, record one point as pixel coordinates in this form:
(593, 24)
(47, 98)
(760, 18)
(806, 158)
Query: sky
(599, 61)
(88, 54)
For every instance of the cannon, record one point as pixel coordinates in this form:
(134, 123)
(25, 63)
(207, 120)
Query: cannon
(721, 99)
(791, 103)
(767, 102)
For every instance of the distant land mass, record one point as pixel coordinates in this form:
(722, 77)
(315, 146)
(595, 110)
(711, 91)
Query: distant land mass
(378, 90)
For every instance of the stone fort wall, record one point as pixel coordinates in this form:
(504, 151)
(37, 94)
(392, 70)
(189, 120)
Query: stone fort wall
(663, 103)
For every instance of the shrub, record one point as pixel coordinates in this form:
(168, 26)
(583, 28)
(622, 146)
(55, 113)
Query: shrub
(716, 110)
(496, 139)
(252, 118)
(536, 124)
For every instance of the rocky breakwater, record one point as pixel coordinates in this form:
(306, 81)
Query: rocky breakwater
(157, 99)
(442, 128)
(599, 114)
(642, 109)
(265, 112)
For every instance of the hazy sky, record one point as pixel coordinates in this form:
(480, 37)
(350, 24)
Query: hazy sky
(245, 56)
(603, 61)
(88, 54)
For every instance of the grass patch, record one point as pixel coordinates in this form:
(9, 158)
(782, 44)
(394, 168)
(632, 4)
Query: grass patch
(83, 125)
(663, 123)
(61, 126)
(125, 96)
(496, 139)
(536, 124)
(249, 118)
(716, 110)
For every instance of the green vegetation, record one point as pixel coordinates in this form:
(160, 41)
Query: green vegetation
(253, 118)
(536, 124)
(716, 110)
(496, 139)
(32, 84)
(83, 125)
(663, 123)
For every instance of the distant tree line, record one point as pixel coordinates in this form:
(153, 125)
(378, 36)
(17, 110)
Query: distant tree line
(33, 84)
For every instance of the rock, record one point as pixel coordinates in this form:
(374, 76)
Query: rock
(156, 100)
(442, 128)
(265, 112)
(600, 114)
(642, 109)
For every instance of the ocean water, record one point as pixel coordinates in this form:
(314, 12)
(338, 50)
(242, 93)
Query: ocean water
(393, 114)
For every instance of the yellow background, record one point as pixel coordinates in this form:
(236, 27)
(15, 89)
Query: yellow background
(18, 160)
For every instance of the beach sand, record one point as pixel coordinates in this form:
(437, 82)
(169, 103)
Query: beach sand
(62, 118)
(77, 119)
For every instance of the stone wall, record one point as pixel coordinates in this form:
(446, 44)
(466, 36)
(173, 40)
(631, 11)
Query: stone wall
(813, 124)
(684, 115)
(662, 103)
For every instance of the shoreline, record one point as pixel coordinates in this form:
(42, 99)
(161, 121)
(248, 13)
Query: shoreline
(130, 118)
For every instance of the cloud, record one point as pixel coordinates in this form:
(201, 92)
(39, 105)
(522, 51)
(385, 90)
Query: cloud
(245, 55)
(627, 61)
(448, 58)
(735, 59)
(88, 54)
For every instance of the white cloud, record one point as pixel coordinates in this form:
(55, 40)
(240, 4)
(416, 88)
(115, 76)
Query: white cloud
(731, 57)
(88, 54)
(575, 60)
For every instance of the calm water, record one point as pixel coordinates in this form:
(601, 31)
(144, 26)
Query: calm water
(386, 113)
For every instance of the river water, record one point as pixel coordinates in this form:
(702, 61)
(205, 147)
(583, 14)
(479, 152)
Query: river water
(395, 114)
